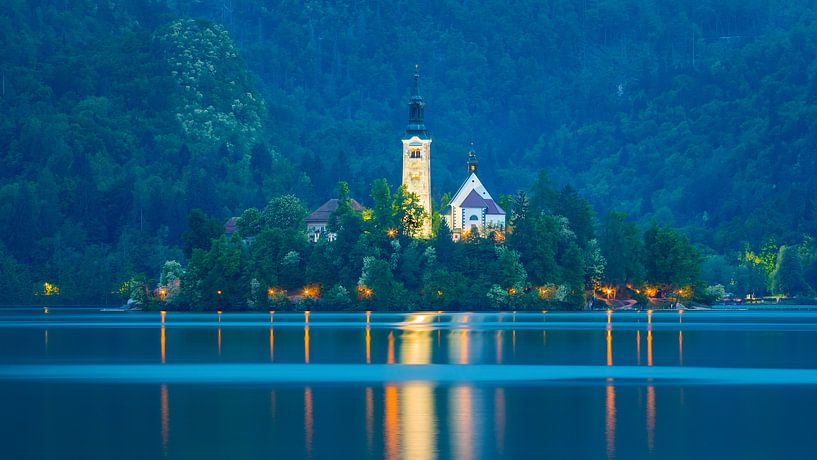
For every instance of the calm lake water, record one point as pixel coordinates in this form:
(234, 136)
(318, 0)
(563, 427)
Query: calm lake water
(702, 384)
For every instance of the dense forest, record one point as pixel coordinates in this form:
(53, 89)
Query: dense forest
(119, 118)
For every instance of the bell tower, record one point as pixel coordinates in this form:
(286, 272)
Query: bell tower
(417, 154)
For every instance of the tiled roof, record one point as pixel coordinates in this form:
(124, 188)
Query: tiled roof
(231, 225)
(494, 208)
(473, 200)
(323, 213)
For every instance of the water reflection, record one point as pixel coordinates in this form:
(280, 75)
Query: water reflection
(368, 345)
(271, 345)
(498, 346)
(649, 347)
(415, 347)
(219, 340)
(609, 347)
(610, 419)
(165, 405)
(419, 423)
(390, 421)
(306, 343)
(680, 348)
(650, 417)
(163, 343)
(369, 418)
(390, 349)
(499, 420)
(308, 420)
(463, 423)
(638, 347)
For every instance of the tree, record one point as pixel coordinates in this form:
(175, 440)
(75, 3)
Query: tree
(787, 278)
(249, 223)
(669, 258)
(622, 248)
(200, 231)
(408, 212)
(284, 212)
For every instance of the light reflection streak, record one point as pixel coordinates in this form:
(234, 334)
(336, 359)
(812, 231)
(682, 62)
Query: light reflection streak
(390, 349)
(415, 347)
(418, 421)
(369, 418)
(45, 338)
(650, 417)
(271, 345)
(680, 348)
(638, 346)
(165, 403)
(464, 339)
(163, 341)
(219, 340)
(499, 346)
(462, 422)
(649, 347)
(391, 421)
(499, 420)
(306, 344)
(308, 420)
(368, 345)
(610, 419)
(609, 347)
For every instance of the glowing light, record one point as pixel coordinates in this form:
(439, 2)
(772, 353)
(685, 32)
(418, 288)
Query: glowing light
(219, 292)
(649, 348)
(45, 310)
(271, 345)
(219, 341)
(512, 291)
(609, 316)
(417, 421)
(368, 345)
(391, 233)
(638, 346)
(50, 289)
(163, 313)
(306, 342)
(461, 416)
(680, 348)
(162, 293)
(162, 341)
(270, 292)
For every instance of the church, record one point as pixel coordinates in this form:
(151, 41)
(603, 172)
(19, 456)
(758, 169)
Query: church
(472, 210)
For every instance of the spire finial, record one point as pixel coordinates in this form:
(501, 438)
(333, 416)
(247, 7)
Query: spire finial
(416, 124)
(472, 160)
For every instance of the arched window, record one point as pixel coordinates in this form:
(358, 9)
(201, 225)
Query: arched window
(474, 217)
(415, 153)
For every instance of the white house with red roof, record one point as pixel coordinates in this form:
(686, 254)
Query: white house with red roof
(473, 209)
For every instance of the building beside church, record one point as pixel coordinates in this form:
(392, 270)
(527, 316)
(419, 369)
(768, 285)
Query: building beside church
(317, 222)
(473, 210)
(417, 155)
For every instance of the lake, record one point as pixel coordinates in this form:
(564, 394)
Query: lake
(79, 383)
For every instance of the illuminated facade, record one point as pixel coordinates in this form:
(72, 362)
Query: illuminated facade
(472, 209)
(417, 156)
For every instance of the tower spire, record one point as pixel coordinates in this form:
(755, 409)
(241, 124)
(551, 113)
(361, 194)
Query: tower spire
(416, 124)
(472, 160)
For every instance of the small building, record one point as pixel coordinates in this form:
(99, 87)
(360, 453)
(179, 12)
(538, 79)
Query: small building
(231, 226)
(472, 209)
(317, 222)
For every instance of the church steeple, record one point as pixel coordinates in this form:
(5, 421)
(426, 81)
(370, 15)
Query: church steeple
(472, 160)
(416, 124)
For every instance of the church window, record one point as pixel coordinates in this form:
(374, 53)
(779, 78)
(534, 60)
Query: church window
(474, 217)
(415, 153)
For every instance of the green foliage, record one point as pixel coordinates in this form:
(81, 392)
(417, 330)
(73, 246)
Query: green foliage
(787, 277)
(670, 259)
(284, 212)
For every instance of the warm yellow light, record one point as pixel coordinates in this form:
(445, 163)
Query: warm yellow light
(218, 311)
(45, 310)
(219, 292)
(270, 292)
(439, 293)
(50, 289)
(391, 232)
(512, 291)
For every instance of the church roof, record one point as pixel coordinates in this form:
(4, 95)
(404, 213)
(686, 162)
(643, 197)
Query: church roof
(473, 200)
(494, 208)
(323, 213)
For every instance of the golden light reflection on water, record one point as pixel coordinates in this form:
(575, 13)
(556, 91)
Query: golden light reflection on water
(609, 347)
(649, 347)
(499, 420)
(369, 419)
(163, 343)
(306, 344)
(680, 348)
(415, 347)
(650, 417)
(390, 349)
(638, 347)
(368, 345)
(219, 341)
(391, 421)
(308, 420)
(462, 422)
(165, 404)
(610, 419)
(271, 345)
(418, 421)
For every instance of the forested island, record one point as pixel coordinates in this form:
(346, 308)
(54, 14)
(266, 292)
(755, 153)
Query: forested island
(677, 141)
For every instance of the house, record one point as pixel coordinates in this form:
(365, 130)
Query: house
(473, 209)
(317, 222)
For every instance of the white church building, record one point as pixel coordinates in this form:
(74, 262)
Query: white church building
(473, 210)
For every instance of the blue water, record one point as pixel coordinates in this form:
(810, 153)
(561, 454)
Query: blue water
(702, 384)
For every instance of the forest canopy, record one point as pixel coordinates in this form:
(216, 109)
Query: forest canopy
(119, 118)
